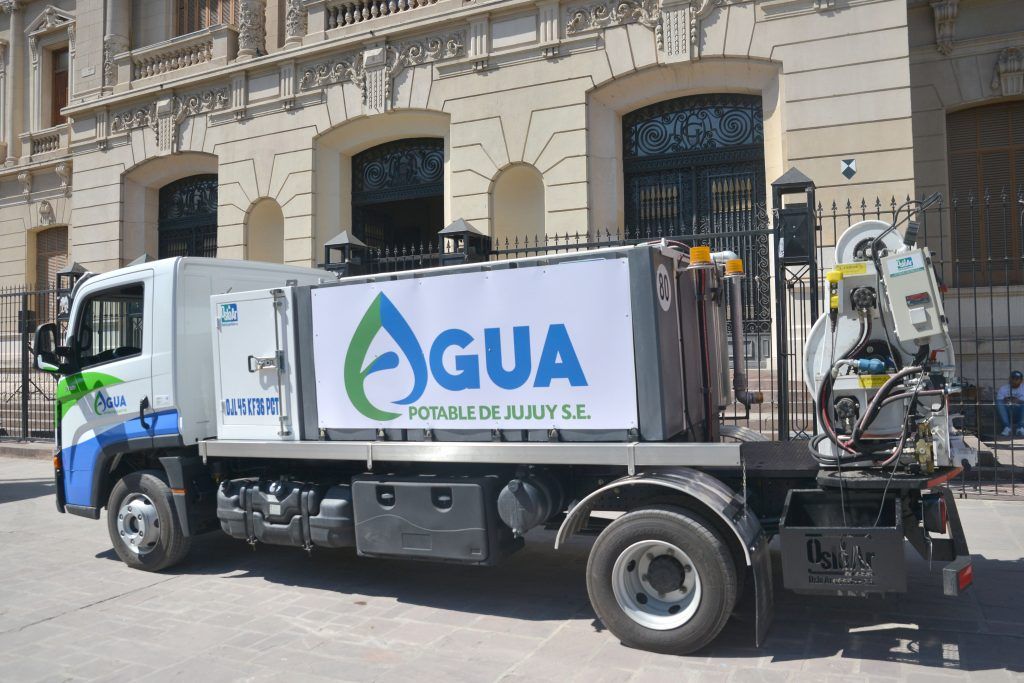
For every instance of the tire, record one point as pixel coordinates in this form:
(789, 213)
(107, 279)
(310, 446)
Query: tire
(143, 523)
(626, 599)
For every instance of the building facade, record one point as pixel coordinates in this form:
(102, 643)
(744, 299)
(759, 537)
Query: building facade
(262, 128)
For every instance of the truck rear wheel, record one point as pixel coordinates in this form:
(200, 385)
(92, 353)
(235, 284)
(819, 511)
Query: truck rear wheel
(662, 579)
(142, 522)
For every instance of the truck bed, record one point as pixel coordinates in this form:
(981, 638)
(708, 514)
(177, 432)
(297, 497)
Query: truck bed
(626, 454)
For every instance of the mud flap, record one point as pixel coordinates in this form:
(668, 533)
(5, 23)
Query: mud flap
(764, 595)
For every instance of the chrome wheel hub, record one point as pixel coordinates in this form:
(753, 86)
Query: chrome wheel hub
(138, 523)
(656, 585)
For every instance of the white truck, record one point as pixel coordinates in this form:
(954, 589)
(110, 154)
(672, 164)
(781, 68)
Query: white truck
(442, 414)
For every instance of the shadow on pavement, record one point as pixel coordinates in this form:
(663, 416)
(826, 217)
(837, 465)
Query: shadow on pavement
(979, 631)
(12, 490)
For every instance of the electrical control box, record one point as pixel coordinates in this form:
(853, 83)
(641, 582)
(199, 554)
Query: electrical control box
(913, 292)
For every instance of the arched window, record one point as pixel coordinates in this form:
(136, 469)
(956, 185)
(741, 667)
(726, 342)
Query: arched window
(398, 192)
(986, 176)
(187, 223)
(679, 156)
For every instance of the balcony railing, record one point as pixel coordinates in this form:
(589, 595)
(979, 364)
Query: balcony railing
(215, 46)
(44, 142)
(339, 14)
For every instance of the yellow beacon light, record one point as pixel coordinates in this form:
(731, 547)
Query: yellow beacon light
(700, 257)
(734, 268)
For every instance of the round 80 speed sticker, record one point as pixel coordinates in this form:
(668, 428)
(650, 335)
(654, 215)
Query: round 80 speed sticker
(663, 283)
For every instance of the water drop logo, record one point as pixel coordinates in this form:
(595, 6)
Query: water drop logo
(104, 403)
(382, 315)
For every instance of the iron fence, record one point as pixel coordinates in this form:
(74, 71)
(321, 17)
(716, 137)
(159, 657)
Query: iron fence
(26, 394)
(977, 244)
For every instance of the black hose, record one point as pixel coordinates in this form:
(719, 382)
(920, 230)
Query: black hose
(876, 403)
(825, 394)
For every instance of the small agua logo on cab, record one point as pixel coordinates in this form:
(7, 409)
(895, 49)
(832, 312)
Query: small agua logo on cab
(106, 403)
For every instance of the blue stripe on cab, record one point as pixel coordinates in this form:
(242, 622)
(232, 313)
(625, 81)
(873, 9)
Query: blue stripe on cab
(80, 460)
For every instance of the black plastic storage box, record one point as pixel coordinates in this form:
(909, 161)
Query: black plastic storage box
(451, 519)
(286, 513)
(831, 544)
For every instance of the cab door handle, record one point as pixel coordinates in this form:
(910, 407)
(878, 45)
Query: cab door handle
(143, 405)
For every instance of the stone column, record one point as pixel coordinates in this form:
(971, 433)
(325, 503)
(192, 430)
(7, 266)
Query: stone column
(295, 23)
(252, 28)
(12, 109)
(3, 94)
(115, 37)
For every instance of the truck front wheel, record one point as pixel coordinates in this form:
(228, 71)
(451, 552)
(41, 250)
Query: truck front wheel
(662, 579)
(142, 522)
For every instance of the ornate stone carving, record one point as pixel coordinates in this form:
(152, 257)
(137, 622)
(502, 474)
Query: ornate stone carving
(49, 19)
(612, 13)
(164, 115)
(134, 118)
(347, 68)
(1009, 73)
(8, 6)
(678, 33)
(945, 12)
(112, 46)
(374, 69)
(25, 178)
(63, 171)
(295, 24)
(433, 49)
(199, 103)
(46, 215)
(252, 34)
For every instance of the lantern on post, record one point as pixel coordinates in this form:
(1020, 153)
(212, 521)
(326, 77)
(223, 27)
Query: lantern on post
(66, 279)
(793, 199)
(345, 255)
(796, 264)
(460, 242)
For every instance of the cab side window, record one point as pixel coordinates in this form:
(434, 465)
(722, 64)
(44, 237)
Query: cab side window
(111, 326)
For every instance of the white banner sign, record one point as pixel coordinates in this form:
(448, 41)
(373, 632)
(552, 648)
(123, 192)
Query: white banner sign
(525, 348)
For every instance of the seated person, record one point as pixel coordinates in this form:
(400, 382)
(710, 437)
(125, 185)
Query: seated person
(1010, 404)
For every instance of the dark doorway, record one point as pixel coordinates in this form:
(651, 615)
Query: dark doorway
(398, 193)
(694, 166)
(188, 217)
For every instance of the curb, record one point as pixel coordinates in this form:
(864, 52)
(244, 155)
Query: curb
(31, 451)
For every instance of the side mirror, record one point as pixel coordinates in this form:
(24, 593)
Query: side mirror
(45, 348)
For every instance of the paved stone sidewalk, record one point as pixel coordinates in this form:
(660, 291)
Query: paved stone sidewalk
(69, 610)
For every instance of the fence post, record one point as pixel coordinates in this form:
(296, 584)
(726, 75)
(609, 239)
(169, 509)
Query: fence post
(795, 241)
(23, 334)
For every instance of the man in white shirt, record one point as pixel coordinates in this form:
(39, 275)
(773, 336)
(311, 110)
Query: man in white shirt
(1010, 404)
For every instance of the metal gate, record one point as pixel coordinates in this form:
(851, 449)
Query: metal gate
(188, 217)
(385, 179)
(26, 394)
(694, 168)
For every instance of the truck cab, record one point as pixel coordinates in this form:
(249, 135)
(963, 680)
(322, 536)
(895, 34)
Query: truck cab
(136, 366)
